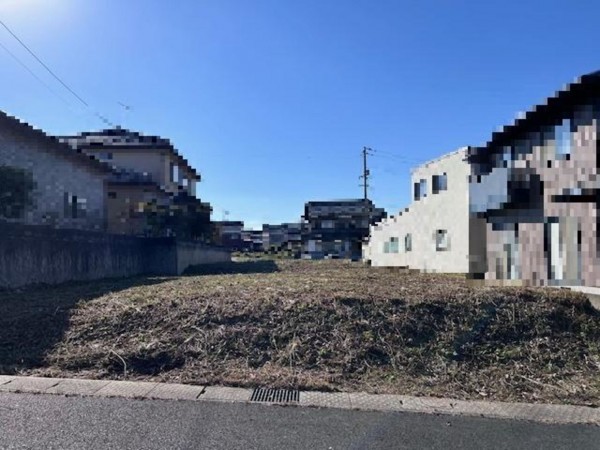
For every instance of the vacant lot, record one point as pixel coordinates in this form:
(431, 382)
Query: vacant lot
(330, 325)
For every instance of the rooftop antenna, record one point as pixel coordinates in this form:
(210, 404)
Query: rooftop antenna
(124, 111)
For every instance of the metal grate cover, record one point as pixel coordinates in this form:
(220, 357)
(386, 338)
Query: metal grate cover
(275, 395)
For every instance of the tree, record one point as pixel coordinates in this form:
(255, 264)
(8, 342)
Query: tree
(185, 218)
(16, 191)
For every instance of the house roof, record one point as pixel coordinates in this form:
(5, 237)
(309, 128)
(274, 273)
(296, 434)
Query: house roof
(123, 139)
(358, 201)
(232, 223)
(59, 148)
(582, 90)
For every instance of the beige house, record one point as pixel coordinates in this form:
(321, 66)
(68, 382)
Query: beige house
(69, 186)
(151, 156)
(147, 171)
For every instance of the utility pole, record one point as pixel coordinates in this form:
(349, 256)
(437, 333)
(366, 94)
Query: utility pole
(365, 185)
(366, 174)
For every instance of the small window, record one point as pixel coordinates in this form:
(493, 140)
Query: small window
(439, 183)
(174, 173)
(112, 195)
(408, 242)
(563, 139)
(441, 240)
(423, 188)
(394, 247)
(420, 189)
(508, 156)
(75, 207)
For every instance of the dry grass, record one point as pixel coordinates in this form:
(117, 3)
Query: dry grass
(330, 325)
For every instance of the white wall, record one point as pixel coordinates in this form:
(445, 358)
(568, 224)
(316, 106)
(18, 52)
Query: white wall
(446, 210)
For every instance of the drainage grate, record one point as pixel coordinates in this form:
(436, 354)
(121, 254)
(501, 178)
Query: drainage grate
(275, 395)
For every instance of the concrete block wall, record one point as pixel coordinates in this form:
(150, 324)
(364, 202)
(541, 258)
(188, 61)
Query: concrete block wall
(190, 254)
(34, 254)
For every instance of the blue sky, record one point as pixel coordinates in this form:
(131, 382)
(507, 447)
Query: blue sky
(272, 100)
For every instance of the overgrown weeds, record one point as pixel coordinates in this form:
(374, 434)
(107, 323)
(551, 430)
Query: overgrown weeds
(335, 325)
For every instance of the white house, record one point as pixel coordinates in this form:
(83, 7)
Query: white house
(432, 234)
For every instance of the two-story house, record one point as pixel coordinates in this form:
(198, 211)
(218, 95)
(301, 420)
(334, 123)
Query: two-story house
(432, 234)
(228, 233)
(534, 194)
(147, 170)
(252, 240)
(336, 228)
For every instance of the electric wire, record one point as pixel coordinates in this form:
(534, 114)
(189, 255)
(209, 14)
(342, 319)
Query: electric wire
(86, 104)
(32, 73)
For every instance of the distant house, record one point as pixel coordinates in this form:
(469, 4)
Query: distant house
(336, 228)
(534, 194)
(284, 236)
(252, 240)
(293, 237)
(432, 234)
(228, 233)
(273, 236)
(69, 187)
(148, 174)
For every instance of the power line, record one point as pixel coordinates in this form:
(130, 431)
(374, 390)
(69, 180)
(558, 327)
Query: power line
(22, 64)
(42, 63)
(396, 156)
(101, 117)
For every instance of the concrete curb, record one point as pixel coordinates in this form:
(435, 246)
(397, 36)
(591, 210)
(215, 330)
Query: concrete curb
(547, 413)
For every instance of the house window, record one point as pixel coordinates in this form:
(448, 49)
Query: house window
(112, 195)
(441, 240)
(563, 139)
(408, 242)
(75, 207)
(439, 183)
(394, 247)
(420, 189)
(507, 157)
(174, 173)
(184, 182)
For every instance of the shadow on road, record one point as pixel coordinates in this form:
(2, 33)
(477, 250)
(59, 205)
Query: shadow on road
(266, 266)
(34, 319)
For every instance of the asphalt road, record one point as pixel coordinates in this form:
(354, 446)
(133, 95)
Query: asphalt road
(58, 422)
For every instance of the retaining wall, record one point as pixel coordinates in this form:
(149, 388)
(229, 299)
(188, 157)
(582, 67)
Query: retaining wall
(34, 254)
